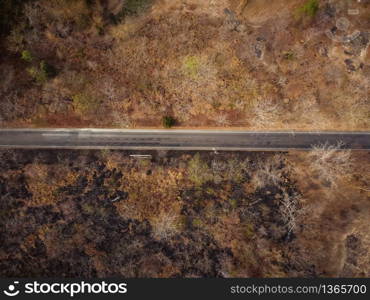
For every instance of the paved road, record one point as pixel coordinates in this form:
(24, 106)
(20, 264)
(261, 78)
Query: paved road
(176, 139)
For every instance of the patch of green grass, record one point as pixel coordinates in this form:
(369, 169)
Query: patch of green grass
(310, 8)
(191, 66)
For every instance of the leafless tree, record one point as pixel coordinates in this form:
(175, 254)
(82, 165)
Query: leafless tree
(266, 113)
(290, 210)
(269, 172)
(165, 225)
(330, 162)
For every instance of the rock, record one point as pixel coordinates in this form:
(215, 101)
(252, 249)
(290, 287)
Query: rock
(286, 101)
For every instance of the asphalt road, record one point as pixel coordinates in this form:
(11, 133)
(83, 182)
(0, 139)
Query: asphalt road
(176, 139)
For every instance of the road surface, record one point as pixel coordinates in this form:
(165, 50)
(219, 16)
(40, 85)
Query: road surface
(177, 139)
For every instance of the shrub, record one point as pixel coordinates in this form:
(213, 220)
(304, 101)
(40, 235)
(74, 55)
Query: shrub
(289, 55)
(168, 122)
(310, 8)
(84, 104)
(42, 73)
(199, 171)
(191, 66)
(26, 56)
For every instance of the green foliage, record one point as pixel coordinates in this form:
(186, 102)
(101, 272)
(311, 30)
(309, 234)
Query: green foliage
(198, 223)
(26, 56)
(168, 122)
(198, 170)
(249, 230)
(191, 66)
(42, 73)
(84, 104)
(310, 8)
(289, 55)
(233, 203)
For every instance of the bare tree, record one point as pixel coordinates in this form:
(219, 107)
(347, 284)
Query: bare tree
(269, 172)
(330, 162)
(266, 113)
(165, 225)
(290, 210)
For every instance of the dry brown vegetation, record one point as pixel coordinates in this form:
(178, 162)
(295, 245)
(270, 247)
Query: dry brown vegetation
(104, 213)
(254, 64)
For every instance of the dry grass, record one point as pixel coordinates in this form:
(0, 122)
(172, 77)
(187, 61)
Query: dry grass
(152, 196)
(44, 182)
(191, 60)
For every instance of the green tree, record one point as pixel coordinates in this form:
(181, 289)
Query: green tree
(168, 122)
(198, 170)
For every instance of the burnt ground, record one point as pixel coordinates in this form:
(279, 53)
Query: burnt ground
(101, 214)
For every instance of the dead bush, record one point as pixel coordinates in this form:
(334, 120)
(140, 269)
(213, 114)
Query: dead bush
(290, 210)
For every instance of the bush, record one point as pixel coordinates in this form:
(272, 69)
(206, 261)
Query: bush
(289, 55)
(26, 56)
(168, 122)
(191, 66)
(84, 104)
(42, 73)
(310, 8)
(198, 170)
